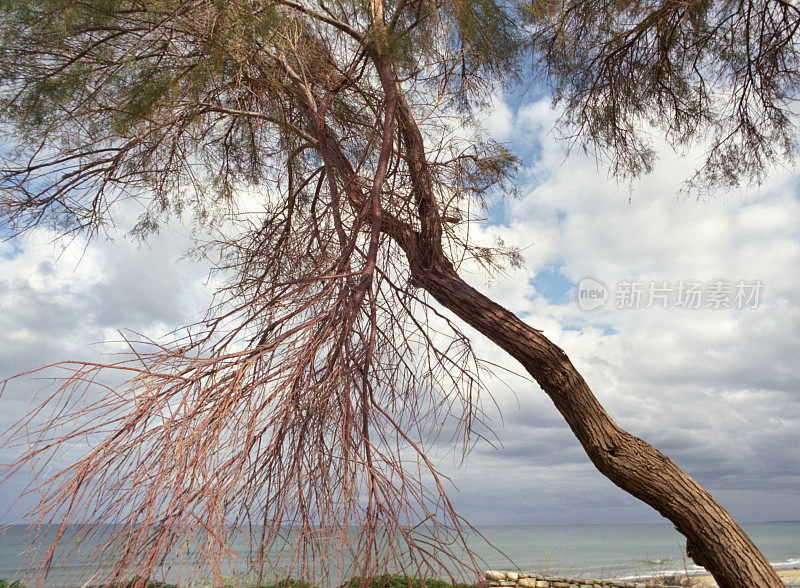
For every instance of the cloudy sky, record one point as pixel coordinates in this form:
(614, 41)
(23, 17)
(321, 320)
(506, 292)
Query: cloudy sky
(714, 387)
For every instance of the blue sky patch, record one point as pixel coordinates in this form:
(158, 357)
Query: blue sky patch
(553, 285)
(9, 245)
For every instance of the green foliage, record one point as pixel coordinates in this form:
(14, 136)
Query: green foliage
(126, 98)
(400, 581)
(288, 583)
(489, 36)
(722, 72)
(149, 584)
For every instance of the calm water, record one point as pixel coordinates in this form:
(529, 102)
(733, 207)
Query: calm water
(606, 551)
(616, 551)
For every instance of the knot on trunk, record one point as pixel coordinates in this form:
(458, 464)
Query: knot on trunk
(428, 265)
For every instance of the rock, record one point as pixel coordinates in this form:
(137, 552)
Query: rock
(503, 579)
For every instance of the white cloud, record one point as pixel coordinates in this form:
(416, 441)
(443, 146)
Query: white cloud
(717, 390)
(499, 119)
(67, 300)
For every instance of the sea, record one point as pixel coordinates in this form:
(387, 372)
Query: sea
(588, 551)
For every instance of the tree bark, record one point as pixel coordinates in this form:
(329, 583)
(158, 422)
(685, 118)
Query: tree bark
(714, 540)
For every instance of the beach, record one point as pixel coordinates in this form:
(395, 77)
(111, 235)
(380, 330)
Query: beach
(790, 577)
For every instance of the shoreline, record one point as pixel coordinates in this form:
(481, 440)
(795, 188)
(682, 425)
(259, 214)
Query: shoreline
(790, 576)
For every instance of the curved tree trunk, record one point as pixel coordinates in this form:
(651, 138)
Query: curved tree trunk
(714, 540)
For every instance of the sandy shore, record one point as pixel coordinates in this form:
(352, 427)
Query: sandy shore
(788, 576)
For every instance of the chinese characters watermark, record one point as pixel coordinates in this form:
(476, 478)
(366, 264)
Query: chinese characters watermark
(685, 294)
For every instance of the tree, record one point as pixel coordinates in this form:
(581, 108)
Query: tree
(326, 363)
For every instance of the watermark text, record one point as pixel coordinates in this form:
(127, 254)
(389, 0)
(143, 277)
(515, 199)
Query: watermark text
(684, 294)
